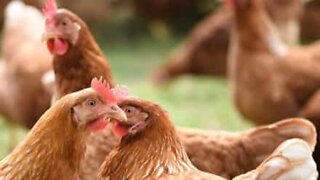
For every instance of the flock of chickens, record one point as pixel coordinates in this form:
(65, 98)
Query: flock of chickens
(69, 98)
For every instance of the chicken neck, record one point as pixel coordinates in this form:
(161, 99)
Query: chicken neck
(254, 30)
(81, 63)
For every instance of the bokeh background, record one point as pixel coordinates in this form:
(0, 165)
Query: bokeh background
(137, 36)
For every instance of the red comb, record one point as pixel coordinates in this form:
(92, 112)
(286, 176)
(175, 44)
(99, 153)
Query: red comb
(120, 93)
(115, 95)
(50, 8)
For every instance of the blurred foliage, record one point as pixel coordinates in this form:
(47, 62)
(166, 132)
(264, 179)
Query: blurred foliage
(129, 20)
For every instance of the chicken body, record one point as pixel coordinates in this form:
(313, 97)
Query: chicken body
(25, 60)
(55, 145)
(269, 80)
(205, 50)
(154, 151)
(209, 150)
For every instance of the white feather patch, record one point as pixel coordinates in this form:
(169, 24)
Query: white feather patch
(276, 45)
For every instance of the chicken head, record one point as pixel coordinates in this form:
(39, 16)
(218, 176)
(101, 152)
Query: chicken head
(97, 106)
(62, 29)
(137, 120)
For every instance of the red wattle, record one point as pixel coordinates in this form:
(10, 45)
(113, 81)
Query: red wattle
(60, 46)
(57, 46)
(119, 130)
(50, 45)
(98, 124)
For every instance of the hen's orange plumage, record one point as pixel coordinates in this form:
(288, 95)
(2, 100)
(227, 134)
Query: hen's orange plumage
(153, 152)
(205, 50)
(209, 150)
(151, 149)
(269, 80)
(55, 145)
(83, 59)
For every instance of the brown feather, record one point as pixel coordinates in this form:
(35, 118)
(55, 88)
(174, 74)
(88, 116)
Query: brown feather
(269, 80)
(74, 71)
(155, 152)
(205, 50)
(246, 150)
(53, 148)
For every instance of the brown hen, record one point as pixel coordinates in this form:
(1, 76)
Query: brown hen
(209, 150)
(150, 149)
(77, 57)
(205, 50)
(55, 145)
(269, 80)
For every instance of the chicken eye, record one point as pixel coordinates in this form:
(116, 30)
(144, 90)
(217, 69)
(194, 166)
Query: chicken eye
(129, 110)
(64, 23)
(91, 103)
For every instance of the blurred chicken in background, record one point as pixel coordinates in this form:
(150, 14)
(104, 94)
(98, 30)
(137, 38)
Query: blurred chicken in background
(270, 80)
(310, 22)
(25, 59)
(4, 3)
(92, 12)
(205, 50)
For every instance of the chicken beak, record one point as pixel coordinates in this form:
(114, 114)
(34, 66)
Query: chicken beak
(47, 35)
(115, 112)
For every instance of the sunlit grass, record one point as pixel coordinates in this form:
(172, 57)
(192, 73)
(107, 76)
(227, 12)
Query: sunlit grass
(191, 101)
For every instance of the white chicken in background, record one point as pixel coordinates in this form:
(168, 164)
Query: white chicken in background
(25, 60)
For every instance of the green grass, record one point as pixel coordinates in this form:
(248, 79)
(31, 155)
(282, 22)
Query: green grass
(191, 101)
